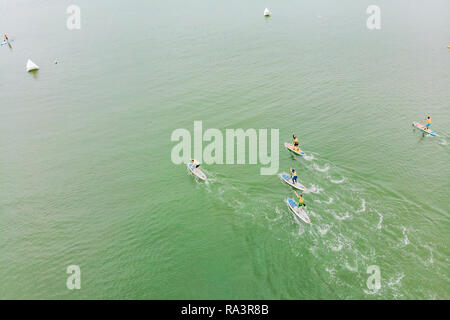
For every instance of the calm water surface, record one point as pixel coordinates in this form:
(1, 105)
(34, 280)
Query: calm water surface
(86, 176)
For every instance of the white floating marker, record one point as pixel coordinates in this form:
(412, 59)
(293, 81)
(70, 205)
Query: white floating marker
(31, 66)
(267, 13)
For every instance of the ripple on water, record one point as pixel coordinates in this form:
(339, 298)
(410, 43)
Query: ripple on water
(329, 201)
(324, 229)
(338, 181)
(337, 247)
(380, 222)
(430, 259)
(405, 239)
(314, 189)
(396, 281)
(278, 215)
(324, 169)
(340, 216)
(443, 142)
(351, 268)
(363, 206)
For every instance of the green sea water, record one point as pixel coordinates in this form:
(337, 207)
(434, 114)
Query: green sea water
(86, 176)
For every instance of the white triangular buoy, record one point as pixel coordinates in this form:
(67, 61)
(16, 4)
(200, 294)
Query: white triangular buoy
(267, 12)
(31, 66)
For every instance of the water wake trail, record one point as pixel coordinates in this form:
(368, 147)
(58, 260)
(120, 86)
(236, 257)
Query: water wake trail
(324, 169)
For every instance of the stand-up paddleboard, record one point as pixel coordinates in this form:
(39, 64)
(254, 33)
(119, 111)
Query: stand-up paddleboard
(198, 173)
(290, 147)
(421, 128)
(4, 43)
(287, 178)
(299, 212)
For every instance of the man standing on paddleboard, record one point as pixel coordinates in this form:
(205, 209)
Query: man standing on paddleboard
(295, 142)
(301, 200)
(196, 164)
(293, 176)
(428, 122)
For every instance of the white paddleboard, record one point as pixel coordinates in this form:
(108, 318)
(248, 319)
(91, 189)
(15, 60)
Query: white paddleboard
(299, 212)
(4, 43)
(198, 173)
(287, 178)
(421, 128)
(290, 147)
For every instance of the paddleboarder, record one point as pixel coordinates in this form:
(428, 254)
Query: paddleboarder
(294, 176)
(295, 142)
(196, 164)
(428, 122)
(301, 200)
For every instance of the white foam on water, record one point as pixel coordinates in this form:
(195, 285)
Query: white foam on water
(208, 174)
(308, 157)
(301, 230)
(299, 222)
(395, 282)
(311, 213)
(221, 190)
(373, 292)
(380, 222)
(363, 206)
(338, 181)
(324, 169)
(397, 295)
(313, 249)
(324, 231)
(329, 201)
(331, 271)
(337, 248)
(350, 268)
(405, 240)
(430, 259)
(341, 217)
(278, 216)
(235, 204)
(314, 189)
